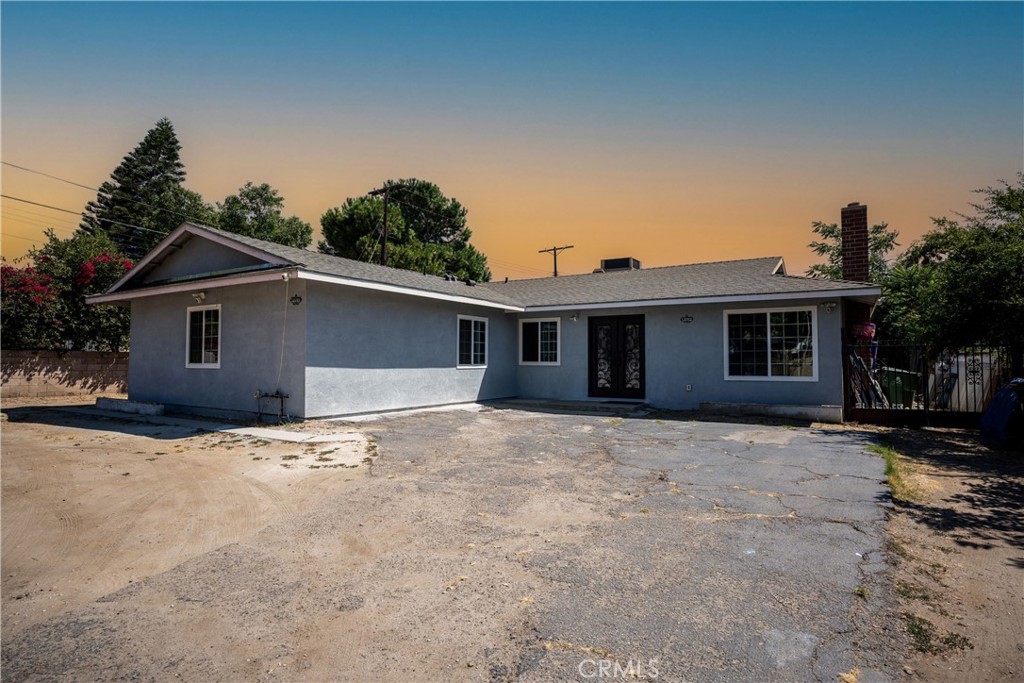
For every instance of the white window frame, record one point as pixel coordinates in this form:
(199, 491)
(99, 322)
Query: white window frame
(815, 341)
(558, 340)
(220, 335)
(487, 342)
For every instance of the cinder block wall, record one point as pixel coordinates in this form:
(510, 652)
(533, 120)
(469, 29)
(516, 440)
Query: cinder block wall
(49, 373)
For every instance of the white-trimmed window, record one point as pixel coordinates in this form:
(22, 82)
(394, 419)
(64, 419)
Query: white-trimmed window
(539, 341)
(472, 342)
(202, 337)
(771, 344)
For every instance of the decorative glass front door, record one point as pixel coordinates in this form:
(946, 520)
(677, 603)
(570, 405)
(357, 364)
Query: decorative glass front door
(617, 356)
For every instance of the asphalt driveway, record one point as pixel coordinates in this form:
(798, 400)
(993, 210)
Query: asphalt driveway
(514, 545)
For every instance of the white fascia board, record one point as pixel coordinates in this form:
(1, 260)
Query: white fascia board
(381, 287)
(194, 230)
(158, 249)
(190, 286)
(691, 301)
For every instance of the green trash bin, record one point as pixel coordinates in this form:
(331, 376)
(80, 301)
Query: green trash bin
(899, 386)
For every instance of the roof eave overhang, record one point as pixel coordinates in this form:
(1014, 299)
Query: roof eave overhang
(168, 243)
(189, 286)
(395, 289)
(250, 278)
(866, 294)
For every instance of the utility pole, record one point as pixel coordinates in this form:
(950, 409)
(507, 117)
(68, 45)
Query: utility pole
(386, 191)
(554, 252)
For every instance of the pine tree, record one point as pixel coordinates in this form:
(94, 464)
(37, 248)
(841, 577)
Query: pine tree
(144, 198)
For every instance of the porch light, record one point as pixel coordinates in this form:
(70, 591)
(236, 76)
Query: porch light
(829, 306)
(199, 297)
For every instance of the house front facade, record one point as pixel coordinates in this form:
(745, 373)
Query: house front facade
(233, 326)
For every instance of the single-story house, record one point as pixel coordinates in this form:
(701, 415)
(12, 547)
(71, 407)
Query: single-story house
(228, 325)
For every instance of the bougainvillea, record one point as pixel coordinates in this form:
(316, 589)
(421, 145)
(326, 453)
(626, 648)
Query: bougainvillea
(44, 304)
(28, 308)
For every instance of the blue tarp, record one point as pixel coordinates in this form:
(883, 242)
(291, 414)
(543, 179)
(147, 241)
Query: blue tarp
(1002, 424)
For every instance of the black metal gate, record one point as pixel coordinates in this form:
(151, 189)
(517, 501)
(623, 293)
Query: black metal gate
(899, 384)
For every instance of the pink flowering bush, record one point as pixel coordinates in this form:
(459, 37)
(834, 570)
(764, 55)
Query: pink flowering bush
(43, 305)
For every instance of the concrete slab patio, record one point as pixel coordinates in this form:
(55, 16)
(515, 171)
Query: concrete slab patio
(505, 545)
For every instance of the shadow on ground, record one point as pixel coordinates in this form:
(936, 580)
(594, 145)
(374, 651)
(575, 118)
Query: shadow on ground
(988, 510)
(76, 416)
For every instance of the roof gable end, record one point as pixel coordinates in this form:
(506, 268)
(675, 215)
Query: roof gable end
(194, 252)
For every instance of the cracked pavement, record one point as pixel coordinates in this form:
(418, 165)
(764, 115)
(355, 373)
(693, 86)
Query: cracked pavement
(516, 545)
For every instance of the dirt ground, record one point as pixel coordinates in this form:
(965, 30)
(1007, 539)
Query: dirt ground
(92, 506)
(958, 555)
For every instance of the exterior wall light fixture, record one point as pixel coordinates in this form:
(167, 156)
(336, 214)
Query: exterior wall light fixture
(200, 297)
(296, 299)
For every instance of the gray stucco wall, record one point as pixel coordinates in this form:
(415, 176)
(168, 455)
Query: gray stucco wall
(369, 351)
(200, 255)
(252, 319)
(680, 353)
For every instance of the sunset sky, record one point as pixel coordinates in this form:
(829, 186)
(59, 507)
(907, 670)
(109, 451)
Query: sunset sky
(674, 133)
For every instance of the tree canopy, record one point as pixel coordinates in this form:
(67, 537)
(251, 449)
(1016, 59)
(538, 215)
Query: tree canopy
(427, 231)
(256, 211)
(143, 201)
(144, 198)
(881, 241)
(44, 307)
(963, 283)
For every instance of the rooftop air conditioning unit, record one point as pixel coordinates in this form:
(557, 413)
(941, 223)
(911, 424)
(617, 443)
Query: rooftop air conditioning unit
(625, 263)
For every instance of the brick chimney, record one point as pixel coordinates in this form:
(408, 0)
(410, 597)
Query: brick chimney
(855, 242)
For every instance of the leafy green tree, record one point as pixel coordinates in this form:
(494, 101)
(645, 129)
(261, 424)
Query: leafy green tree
(144, 199)
(46, 302)
(881, 241)
(256, 211)
(427, 231)
(962, 283)
(353, 230)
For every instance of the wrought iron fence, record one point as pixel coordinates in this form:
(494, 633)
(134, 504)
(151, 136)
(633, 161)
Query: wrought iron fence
(914, 378)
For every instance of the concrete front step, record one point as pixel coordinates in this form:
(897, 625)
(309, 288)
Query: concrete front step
(618, 408)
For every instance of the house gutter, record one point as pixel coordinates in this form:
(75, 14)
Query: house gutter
(426, 294)
(866, 292)
(295, 272)
(189, 286)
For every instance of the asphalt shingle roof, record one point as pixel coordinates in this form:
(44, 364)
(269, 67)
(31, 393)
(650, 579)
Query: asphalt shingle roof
(717, 279)
(369, 272)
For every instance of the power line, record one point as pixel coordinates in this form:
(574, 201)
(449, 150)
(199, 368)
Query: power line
(362, 252)
(7, 235)
(75, 213)
(386, 191)
(504, 265)
(96, 189)
(47, 175)
(45, 206)
(554, 252)
(24, 211)
(11, 216)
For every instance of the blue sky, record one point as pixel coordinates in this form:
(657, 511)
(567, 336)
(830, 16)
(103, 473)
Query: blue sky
(908, 106)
